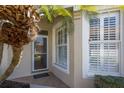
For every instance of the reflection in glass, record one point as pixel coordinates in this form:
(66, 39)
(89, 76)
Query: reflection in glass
(40, 53)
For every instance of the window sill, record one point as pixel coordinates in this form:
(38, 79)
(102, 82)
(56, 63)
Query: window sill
(91, 75)
(61, 69)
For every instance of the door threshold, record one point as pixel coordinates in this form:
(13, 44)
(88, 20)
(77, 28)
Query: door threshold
(40, 72)
(40, 75)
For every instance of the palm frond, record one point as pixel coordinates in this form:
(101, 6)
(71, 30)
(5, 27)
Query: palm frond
(121, 7)
(46, 10)
(59, 10)
(89, 8)
(52, 11)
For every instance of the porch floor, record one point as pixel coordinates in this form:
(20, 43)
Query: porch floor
(50, 81)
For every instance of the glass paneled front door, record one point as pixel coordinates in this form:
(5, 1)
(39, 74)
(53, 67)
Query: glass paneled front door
(40, 53)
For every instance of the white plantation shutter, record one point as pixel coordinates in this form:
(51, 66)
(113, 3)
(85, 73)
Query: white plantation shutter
(111, 57)
(95, 29)
(111, 28)
(104, 44)
(94, 56)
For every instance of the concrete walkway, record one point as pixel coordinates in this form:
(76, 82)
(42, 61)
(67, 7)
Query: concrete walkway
(45, 82)
(38, 86)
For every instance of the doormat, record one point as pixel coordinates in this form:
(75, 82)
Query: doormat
(13, 84)
(40, 75)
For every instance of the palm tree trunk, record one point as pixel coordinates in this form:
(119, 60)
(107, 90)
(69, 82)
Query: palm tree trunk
(1, 52)
(15, 61)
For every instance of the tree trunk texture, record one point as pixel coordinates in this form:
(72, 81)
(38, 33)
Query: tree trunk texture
(15, 61)
(1, 52)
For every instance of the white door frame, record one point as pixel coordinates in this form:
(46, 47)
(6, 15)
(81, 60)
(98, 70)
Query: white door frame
(38, 70)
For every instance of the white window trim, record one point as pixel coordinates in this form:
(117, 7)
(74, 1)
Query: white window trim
(54, 50)
(85, 43)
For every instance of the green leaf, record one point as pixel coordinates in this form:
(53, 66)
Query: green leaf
(59, 10)
(89, 8)
(52, 11)
(121, 6)
(45, 10)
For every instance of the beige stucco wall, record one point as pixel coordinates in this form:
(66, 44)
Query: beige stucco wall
(67, 78)
(79, 81)
(4, 59)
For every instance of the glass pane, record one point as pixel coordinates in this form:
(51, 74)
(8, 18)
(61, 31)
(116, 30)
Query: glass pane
(40, 45)
(110, 59)
(40, 53)
(40, 61)
(94, 29)
(65, 35)
(58, 37)
(62, 56)
(111, 28)
(94, 60)
(61, 37)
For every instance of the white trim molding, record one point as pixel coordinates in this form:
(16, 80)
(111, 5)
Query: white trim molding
(85, 45)
(122, 42)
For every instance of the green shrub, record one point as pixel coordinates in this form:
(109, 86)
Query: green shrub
(109, 81)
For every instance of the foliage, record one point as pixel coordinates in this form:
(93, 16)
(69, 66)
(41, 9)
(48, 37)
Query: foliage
(109, 82)
(52, 11)
(121, 6)
(19, 24)
(89, 8)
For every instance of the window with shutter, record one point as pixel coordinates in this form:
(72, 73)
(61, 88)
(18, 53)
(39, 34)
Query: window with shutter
(104, 44)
